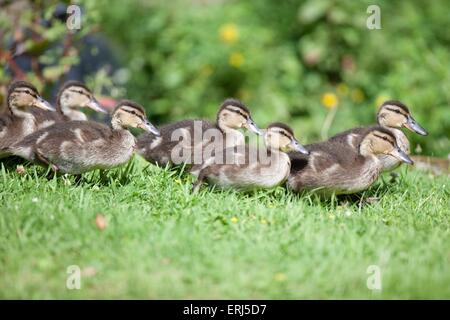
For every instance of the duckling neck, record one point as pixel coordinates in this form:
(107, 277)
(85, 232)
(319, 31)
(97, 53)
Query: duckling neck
(121, 135)
(115, 125)
(28, 120)
(402, 140)
(71, 113)
(233, 137)
(22, 114)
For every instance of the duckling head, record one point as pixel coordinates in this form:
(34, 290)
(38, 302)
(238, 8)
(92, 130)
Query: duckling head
(22, 96)
(379, 141)
(279, 136)
(75, 95)
(394, 114)
(129, 114)
(233, 114)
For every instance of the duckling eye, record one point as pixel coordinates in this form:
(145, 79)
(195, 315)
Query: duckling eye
(394, 110)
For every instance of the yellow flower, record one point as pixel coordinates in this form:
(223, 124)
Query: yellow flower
(263, 221)
(234, 220)
(357, 95)
(206, 70)
(280, 277)
(329, 100)
(380, 99)
(236, 59)
(244, 94)
(229, 33)
(342, 89)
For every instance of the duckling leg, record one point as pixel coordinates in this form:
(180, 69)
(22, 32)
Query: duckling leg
(47, 162)
(394, 176)
(196, 185)
(78, 179)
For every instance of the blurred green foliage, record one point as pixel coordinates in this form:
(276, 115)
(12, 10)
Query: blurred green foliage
(280, 57)
(182, 58)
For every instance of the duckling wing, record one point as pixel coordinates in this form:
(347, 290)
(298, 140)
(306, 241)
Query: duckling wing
(51, 141)
(351, 137)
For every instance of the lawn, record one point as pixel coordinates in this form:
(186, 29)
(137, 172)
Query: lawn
(161, 241)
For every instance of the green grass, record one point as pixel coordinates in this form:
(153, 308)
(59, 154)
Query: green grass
(163, 242)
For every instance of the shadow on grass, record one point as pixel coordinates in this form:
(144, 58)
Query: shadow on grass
(119, 176)
(11, 163)
(364, 198)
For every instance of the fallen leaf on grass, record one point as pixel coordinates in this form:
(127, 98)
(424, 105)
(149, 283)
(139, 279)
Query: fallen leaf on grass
(21, 170)
(101, 222)
(89, 271)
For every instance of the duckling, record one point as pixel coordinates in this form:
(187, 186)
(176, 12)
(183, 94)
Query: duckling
(72, 97)
(76, 147)
(392, 115)
(167, 149)
(18, 121)
(249, 168)
(334, 167)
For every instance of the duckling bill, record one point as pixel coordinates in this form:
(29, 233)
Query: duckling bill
(245, 168)
(76, 147)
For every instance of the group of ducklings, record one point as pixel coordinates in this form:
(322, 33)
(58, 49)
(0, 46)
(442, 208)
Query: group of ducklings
(63, 138)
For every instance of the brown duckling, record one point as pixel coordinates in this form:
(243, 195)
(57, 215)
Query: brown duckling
(76, 147)
(333, 166)
(72, 97)
(166, 149)
(245, 168)
(18, 121)
(392, 115)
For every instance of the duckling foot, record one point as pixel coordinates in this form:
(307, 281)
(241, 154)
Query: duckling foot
(45, 161)
(370, 200)
(78, 179)
(196, 186)
(394, 177)
(198, 183)
(53, 173)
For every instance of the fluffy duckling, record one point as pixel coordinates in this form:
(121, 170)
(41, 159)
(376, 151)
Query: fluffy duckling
(232, 116)
(72, 97)
(18, 121)
(334, 167)
(76, 147)
(392, 115)
(248, 168)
